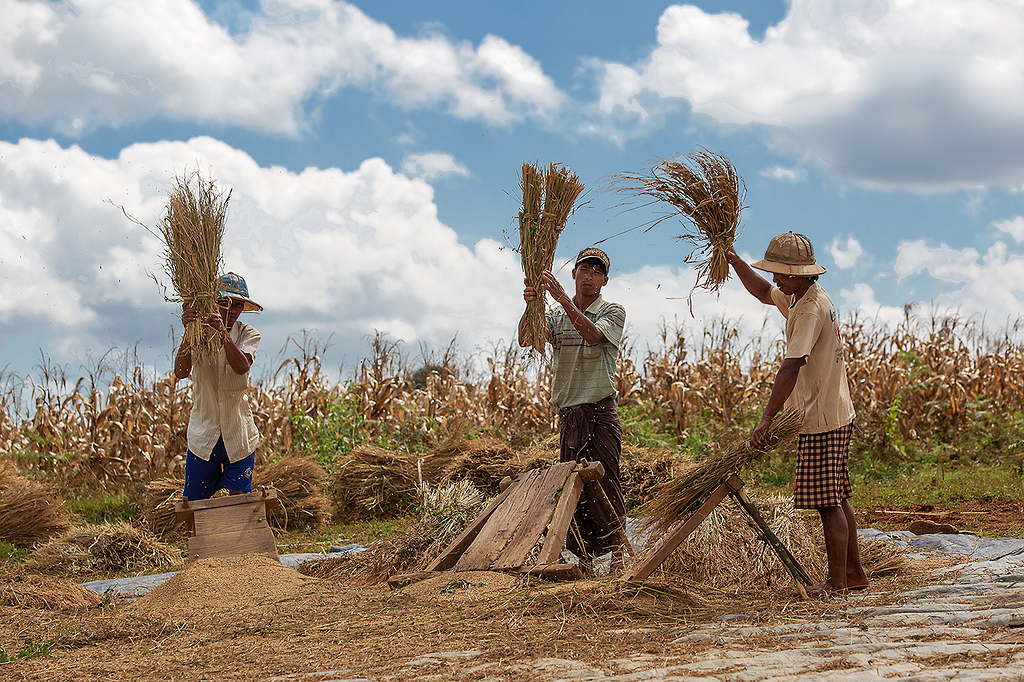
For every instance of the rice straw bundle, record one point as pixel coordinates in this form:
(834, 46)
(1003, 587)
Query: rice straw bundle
(681, 496)
(192, 229)
(29, 513)
(705, 188)
(548, 199)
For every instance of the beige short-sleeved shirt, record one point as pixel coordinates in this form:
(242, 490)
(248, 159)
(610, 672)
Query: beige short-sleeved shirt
(585, 373)
(219, 406)
(812, 331)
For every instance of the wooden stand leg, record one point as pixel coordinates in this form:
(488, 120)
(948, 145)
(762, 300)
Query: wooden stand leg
(797, 571)
(661, 551)
(594, 488)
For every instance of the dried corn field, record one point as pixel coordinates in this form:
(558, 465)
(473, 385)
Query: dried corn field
(927, 377)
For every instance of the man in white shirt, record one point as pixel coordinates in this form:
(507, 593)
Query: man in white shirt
(222, 436)
(812, 380)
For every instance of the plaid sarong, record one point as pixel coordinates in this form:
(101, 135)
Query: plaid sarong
(592, 432)
(822, 469)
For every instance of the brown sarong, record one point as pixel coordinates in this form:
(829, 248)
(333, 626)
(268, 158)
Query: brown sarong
(592, 432)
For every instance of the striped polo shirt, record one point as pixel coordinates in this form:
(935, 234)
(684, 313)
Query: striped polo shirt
(585, 373)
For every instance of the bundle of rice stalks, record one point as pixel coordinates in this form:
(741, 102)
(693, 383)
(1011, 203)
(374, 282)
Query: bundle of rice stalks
(727, 554)
(300, 490)
(882, 559)
(374, 483)
(29, 591)
(192, 229)
(447, 511)
(705, 188)
(483, 462)
(548, 199)
(158, 507)
(680, 497)
(29, 514)
(103, 549)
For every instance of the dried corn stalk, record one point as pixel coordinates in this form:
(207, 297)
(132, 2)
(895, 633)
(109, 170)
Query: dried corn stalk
(548, 199)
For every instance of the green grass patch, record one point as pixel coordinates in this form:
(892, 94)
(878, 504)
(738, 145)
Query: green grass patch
(102, 507)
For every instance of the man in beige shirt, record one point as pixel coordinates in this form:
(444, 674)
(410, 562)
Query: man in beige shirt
(812, 380)
(222, 436)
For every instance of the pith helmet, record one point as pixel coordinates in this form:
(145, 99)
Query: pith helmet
(790, 254)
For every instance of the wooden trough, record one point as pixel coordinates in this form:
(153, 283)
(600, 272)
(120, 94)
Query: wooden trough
(229, 526)
(504, 537)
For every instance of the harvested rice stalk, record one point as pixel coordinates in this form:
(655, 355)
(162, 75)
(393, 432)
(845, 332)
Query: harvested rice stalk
(300, 487)
(556, 191)
(681, 496)
(705, 188)
(103, 549)
(29, 514)
(192, 229)
(158, 507)
(446, 512)
(374, 483)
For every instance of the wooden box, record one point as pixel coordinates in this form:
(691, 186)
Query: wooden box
(229, 526)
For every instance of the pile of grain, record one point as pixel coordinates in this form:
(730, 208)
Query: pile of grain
(222, 584)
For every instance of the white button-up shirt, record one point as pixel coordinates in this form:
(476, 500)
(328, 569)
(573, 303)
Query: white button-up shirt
(219, 405)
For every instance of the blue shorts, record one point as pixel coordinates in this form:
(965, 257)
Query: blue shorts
(204, 478)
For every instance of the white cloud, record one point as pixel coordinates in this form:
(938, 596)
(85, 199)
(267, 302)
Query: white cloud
(921, 93)
(793, 175)
(112, 62)
(345, 253)
(432, 165)
(991, 284)
(846, 256)
(1014, 228)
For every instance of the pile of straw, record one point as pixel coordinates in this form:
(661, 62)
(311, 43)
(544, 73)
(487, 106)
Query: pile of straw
(158, 507)
(548, 199)
(373, 483)
(705, 188)
(447, 511)
(483, 462)
(29, 514)
(192, 230)
(680, 497)
(28, 591)
(726, 553)
(104, 549)
(300, 487)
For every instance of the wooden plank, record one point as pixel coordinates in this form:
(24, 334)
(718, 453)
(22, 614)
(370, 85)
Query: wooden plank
(184, 510)
(249, 516)
(259, 541)
(500, 527)
(542, 505)
(398, 581)
(559, 526)
(661, 551)
(450, 556)
(555, 571)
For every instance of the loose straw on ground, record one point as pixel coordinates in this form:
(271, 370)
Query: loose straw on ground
(548, 199)
(705, 188)
(192, 229)
(681, 496)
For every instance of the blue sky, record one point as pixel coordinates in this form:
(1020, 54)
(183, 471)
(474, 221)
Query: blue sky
(373, 147)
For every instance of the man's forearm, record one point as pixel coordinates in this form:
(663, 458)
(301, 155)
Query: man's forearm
(758, 286)
(238, 360)
(587, 329)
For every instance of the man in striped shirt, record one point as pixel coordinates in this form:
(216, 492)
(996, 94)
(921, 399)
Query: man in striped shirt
(585, 331)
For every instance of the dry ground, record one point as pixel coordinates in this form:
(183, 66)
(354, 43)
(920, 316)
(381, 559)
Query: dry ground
(315, 625)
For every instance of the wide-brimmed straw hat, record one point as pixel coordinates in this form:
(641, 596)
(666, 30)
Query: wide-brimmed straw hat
(596, 254)
(790, 254)
(233, 286)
